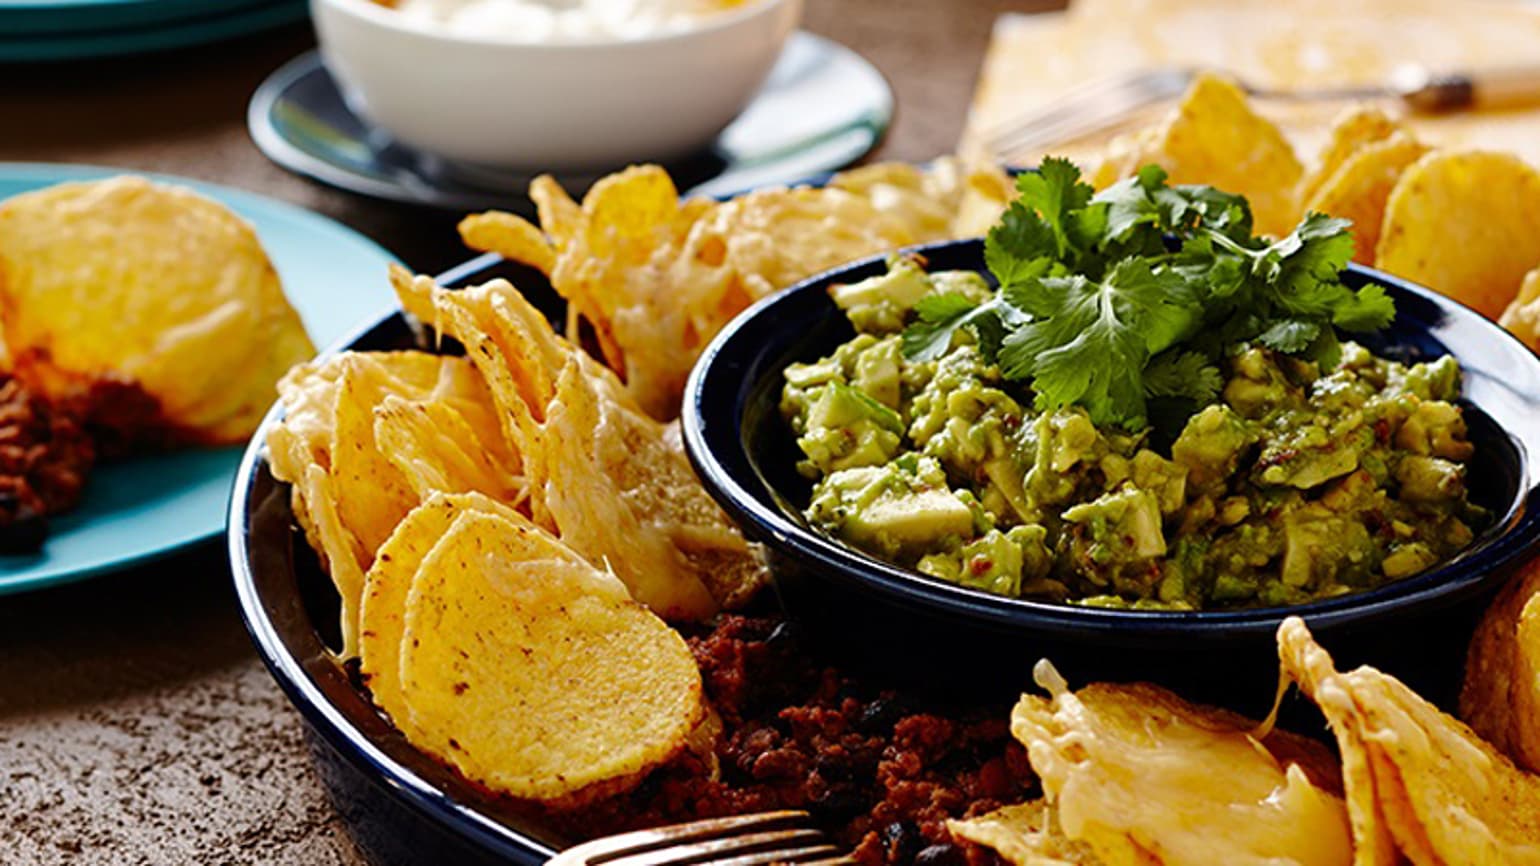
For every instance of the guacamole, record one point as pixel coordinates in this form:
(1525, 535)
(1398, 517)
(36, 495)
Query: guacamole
(1296, 483)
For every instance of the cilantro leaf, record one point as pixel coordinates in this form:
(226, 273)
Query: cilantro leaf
(1369, 310)
(1290, 336)
(1184, 374)
(1020, 247)
(1089, 341)
(1054, 191)
(1112, 300)
(938, 317)
(942, 314)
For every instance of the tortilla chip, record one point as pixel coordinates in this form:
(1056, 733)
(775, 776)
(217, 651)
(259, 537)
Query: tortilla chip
(1026, 835)
(149, 286)
(1359, 190)
(1500, 699)
(1139, 775)
(1522, 317)
(1446, 795)
(1354, 129)
(610, 481)
(1213, 137)
(1466, 225)
(535, 674)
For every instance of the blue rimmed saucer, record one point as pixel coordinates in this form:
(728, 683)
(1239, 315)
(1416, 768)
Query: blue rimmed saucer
(823, 107)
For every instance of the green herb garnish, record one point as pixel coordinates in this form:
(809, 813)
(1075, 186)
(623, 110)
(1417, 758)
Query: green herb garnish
(1110, 300)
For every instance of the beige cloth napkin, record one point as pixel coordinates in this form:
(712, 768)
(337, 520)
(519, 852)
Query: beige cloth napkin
(1268, 43)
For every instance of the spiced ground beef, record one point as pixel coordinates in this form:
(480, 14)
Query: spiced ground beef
(45, 455)
(878, 770)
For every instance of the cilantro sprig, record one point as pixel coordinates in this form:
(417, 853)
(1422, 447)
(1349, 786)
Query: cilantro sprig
(1112, 300)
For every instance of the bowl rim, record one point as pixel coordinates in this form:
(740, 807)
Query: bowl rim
(388, 19)
(1516, 530)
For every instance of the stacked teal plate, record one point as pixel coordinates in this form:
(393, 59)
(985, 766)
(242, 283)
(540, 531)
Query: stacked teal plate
(32, 30)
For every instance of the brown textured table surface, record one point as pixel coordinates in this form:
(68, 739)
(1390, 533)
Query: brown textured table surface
(136, 723)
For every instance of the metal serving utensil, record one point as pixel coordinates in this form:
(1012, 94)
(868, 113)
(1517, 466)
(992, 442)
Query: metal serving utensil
(1098, 104)
(760, 839)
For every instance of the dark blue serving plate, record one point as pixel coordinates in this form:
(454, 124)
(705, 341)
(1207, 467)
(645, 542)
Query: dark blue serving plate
(744, 453)
(405, 809)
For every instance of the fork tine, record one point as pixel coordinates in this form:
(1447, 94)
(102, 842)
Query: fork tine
(610, 847)
(1087, 108)
(714, 850)
(820, 853)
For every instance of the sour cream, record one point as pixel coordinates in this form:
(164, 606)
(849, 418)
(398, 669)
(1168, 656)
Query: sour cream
(559, 20)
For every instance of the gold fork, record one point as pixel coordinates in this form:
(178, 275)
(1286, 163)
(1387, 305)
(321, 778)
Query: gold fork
(759, 839)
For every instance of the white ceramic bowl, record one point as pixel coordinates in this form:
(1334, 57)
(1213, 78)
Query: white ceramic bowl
(551, 106)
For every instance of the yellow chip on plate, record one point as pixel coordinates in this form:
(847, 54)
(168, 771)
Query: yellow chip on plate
(382, 609)
(1354, 129)
(609, 480)
(1213, 137)
(151, 290)
(1466, 224)
(366, 436)
(1359, 189)
(534, 673)
(1501, 695)
(1131, 769)
(509, 236)
(1445, 795)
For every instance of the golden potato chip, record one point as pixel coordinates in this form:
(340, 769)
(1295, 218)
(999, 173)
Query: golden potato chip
(439, 449)
(621, 492)
(383, 430)
(1466, 225)
(1359, 190)
(152, 286)
(1500, 698)
(1354, 129)
(657, 277)
(1213, 137)
(509, 236)
(382, 607)
(1522, 317)
(535, 674)
(341, 554)
(1026, 835)
(1135, 771)
(1446, 795)
(610, 481)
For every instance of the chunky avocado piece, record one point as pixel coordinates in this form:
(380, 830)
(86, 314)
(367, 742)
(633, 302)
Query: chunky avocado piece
(898, 509)
(1124, 524)
(1212, 444)
(997, 562)
(845, 428)
(881, 304)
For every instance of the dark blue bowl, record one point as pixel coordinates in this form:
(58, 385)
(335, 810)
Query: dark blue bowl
(744, 453)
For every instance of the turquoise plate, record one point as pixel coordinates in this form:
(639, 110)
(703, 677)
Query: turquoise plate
(91, 31)
(138, 509)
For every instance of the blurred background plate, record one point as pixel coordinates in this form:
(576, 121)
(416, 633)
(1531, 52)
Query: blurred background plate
(823, 107)
(79, 29)
(138, 509)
